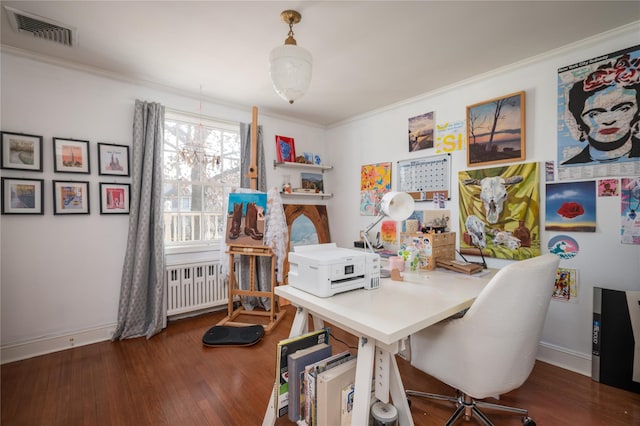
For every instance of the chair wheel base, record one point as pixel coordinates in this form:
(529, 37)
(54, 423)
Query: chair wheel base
(528, 421)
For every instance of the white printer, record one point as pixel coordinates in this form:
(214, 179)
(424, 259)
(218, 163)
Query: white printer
(325, 269)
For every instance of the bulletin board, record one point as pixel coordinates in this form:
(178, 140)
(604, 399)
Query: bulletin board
(423, 177)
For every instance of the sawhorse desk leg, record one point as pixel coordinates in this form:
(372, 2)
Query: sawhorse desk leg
(388, 380)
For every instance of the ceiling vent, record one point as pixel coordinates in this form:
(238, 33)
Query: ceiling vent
(39, 27)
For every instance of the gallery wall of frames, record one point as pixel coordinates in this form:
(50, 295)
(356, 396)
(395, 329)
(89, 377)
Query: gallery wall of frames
(71, 161)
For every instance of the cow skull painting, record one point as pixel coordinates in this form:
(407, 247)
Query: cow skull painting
(497, 207)
(493, 193)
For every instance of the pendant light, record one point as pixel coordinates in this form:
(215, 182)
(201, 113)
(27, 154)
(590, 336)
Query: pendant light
(290, 64)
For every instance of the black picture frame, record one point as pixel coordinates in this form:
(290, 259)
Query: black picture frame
(115, 198)
(71, 156)
(22, 196)
(21, 151)
(70, 197)
(113, 159)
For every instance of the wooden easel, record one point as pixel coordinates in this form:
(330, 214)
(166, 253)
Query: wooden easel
(274, 313)
(254, 252)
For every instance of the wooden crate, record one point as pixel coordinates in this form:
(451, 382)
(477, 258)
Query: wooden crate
(431, 246)
(444, 245)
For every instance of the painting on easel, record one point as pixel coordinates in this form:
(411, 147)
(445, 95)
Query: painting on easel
(246, 218)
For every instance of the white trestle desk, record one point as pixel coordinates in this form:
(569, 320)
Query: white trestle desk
(382, 319)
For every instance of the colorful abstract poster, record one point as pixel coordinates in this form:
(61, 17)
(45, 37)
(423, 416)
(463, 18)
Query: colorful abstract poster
(500, 211)
(375, 181)
(450, 137)
(388, 232)
(564, 247)
(608, 187)
(598, 113)
(630, 206)
(571, 207)
(421, 132)
(566, 287)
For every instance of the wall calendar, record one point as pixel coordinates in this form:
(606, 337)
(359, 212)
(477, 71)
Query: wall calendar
(426, 176)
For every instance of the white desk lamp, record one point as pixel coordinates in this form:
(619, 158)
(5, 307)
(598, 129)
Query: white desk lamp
(394, 205)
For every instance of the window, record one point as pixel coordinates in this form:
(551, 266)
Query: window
(201, 165)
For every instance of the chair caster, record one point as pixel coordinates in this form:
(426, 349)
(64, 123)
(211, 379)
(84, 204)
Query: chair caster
(528, 421)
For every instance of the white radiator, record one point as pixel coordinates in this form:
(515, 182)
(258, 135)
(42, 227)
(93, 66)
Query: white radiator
(195, 286)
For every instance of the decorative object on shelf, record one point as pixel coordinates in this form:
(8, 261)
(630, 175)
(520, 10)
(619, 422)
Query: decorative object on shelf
(290, 64)
(21, 152)
(312, 182)
(114, 198)
(70, 197)
(285, 149)
(71, 156)
(113, 159)
(505, 140)
(308, 157)
(22, 196)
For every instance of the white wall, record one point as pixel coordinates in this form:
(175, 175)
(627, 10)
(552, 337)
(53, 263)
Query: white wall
(381, 136)
(60, 276)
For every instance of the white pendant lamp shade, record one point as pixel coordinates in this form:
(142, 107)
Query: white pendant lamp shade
(290, 65)
(290, 71)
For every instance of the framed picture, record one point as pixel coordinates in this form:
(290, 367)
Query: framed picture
(71, 156)
(285, 149)
(312, 182)
(114, 198)
(421, 132)
(113, 159)
(496, 130)
(70, 197)
(22, 196)
(21, 152)
(246, 215)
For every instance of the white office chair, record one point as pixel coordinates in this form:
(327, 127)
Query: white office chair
(491, 350)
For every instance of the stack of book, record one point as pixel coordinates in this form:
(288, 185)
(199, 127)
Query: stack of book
(314, 387)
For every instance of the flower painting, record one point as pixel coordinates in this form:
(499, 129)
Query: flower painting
(571, 207)
(375, 181)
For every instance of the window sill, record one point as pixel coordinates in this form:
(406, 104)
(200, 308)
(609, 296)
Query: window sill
(191, 254)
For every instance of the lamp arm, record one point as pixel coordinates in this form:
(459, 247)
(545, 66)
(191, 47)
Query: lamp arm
(369, 228)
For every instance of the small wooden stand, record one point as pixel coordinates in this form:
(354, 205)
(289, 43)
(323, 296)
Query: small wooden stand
(234, 288)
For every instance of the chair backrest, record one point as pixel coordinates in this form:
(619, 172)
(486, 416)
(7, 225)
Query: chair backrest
(504, 326)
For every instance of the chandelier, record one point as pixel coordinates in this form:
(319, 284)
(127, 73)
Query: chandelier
(290, 64)
(196, 152)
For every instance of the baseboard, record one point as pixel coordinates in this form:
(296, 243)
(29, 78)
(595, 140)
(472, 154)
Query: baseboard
(552, 354)
(46, 345)
(565, 358)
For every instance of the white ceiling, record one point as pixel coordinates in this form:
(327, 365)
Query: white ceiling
(367, 54)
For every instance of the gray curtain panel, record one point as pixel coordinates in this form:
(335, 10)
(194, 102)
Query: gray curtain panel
(142, 311)
(263, 264)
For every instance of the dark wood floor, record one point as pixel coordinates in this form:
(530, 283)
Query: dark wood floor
(172, 379)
